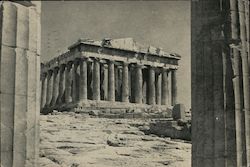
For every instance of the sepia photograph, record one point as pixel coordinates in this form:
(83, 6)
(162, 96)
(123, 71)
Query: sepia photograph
(126, 83)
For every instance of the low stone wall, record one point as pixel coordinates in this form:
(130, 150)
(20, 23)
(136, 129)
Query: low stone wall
(169, 128)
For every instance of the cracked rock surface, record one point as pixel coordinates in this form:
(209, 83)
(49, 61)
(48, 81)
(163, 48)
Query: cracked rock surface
(77, 140)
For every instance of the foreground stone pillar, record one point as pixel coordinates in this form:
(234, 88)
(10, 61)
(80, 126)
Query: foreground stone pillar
(165, 91)
(49, 88)
(125, 86)
(20, 83)
(173, 87)
(96, 80)
(83, 80)
(151, 86)
(213, 123)
(111, 81)
(43, 89)
(138, 85)
(68, 86)
(158, 88)
(55, 86)
(61, 84)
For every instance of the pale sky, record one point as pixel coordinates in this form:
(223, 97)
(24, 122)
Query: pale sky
(164, 24)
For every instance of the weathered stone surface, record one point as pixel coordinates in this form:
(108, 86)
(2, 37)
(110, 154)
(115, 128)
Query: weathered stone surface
(66, 136)
(9, 25)
(20, 92)
(22, 36)
(178, 112)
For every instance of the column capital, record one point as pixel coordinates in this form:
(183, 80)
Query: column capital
(105, 65)
(139, 65)
(69, 64)
(62, 66)
(125, 63)
(84, 58)
(96, 59)
(76, 61)
(50, 71)
(56, 69)
(111, 61)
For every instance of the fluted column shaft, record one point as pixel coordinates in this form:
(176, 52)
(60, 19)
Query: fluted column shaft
(165, 91)
(158, 89)
(43, 90)
(68, 88)
(49, 87)
(74, 80)
(111, 81)
(55, 86)
(61, 84)
(174, 87)
(138, 85)
(125, 85)
(105, 82)
(83, 80)
(151, 97)
(96, 80)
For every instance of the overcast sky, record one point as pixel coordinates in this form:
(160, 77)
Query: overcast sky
(164, 24)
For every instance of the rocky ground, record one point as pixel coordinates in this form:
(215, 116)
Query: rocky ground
(77, 140)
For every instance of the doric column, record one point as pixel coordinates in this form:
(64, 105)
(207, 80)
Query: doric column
(111, 82)
(68, 82)
(83, 80)
(151, 86)
(173, 87)
(105, 82)
(74, 80)
(55, 86)
(125, 86)
(96, 80)
(165, 91)
(158, 88)
(49, 87)
(61, 84)
(138, 85)
(43, 89)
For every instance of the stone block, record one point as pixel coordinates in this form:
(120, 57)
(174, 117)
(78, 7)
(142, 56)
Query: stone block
(20, 125)
(9, 22)
(33, 28)
(22, 36)
(7, 70)
(178, 112)
(21, 71)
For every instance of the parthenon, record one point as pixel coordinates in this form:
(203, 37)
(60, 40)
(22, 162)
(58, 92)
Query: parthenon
(110, 73)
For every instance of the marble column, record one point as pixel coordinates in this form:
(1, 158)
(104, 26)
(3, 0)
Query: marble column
(49, 88)
(96, 80)
(138, 85)
(174, 87)
(83, 80)
(165, 91)
(55, 86)
(68, 82)
(158, 88)
(111, 81)
(61, 84)
(151, 86)
(74, 80)
(105, 82)
(43, 89)
(125, 84)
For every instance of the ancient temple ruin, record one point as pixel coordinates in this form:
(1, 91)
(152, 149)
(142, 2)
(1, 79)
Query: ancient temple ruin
(111, 73)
